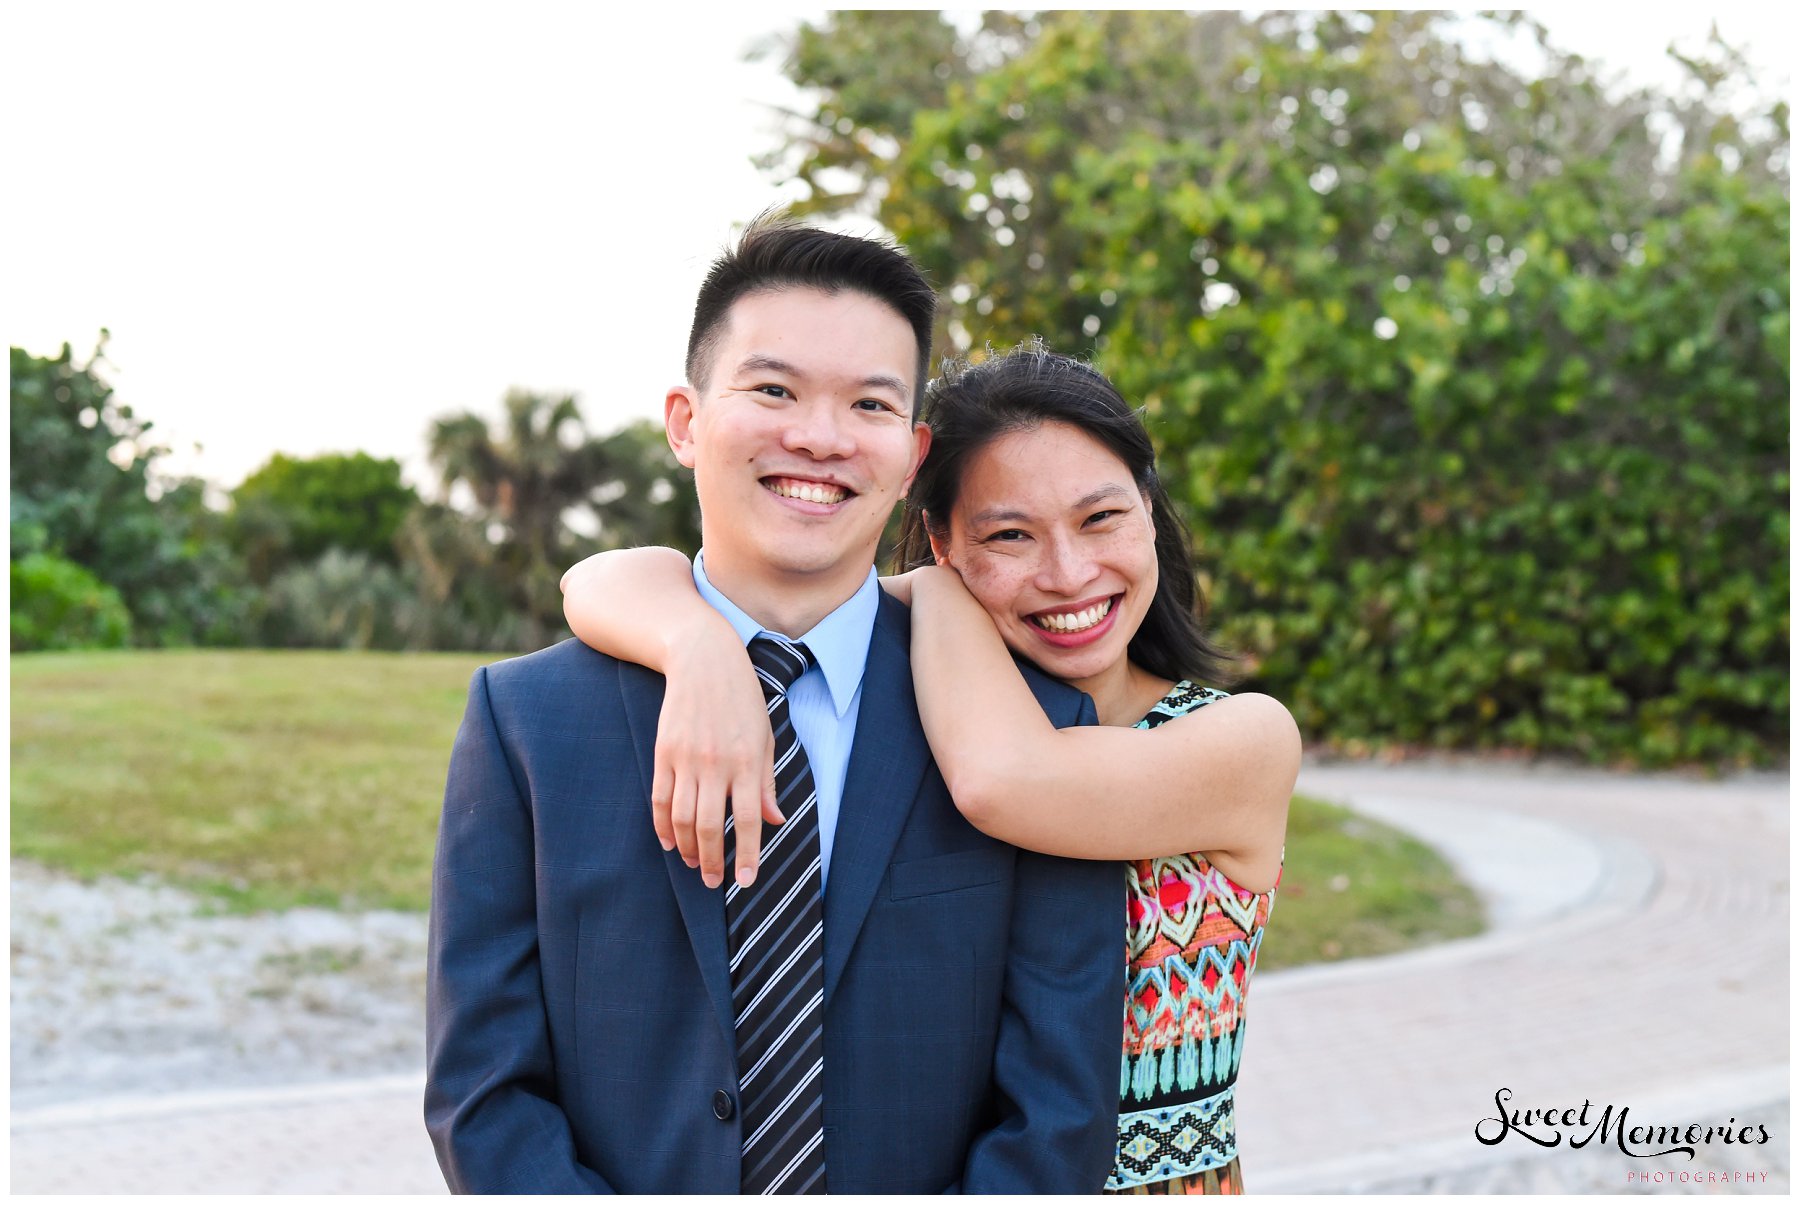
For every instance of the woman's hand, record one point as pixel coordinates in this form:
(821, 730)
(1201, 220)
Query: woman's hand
(937, 591)
(715, 755)
(713, 742)
(900, 585)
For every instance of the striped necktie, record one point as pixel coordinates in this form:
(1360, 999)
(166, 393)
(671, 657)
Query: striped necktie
(775, 935)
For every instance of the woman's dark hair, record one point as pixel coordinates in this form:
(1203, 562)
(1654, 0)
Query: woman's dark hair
(970, 406)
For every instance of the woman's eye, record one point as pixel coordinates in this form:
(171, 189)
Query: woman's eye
(1102, 516)
(1010, 535)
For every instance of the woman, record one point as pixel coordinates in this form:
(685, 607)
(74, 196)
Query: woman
(1042, 529)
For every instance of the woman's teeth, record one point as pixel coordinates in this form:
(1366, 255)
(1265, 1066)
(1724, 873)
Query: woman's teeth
(1074, 621)
(807, 491)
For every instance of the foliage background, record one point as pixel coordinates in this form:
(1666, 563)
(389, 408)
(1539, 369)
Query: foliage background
(329, 551)
(1474, 385)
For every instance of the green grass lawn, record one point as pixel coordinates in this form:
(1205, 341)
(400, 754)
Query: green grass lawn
(270, 779)
(267, 778)
(1353, 888)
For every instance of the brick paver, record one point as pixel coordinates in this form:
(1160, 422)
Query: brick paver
(1660, 983)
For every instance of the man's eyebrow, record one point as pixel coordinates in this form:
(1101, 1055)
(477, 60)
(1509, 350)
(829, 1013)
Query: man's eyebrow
(882, 380)
(758, 362)
(1000, 514)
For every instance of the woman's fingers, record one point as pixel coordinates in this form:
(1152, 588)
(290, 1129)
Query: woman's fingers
(662, 791)
(771, 810)
(681, 818)
(746, 811)
(714, 751)
(709, 828)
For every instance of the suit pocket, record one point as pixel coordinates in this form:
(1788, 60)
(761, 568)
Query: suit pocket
(949, 872)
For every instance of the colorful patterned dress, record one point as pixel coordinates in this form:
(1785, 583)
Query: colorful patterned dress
(1191, 941)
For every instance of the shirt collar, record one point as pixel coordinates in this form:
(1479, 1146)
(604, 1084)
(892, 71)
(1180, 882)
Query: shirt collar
(839, 642)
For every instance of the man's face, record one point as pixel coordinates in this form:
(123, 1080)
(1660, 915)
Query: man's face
(801, 440)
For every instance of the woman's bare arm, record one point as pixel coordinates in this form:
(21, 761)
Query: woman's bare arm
(714, 750)
(1216, 781)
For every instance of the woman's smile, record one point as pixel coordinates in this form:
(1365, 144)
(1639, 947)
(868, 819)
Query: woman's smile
(1071, 627)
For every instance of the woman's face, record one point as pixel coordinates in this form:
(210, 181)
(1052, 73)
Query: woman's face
(1052, 537)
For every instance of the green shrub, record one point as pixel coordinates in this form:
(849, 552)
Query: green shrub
(56, 604)
(1473, 386)
(343, 600)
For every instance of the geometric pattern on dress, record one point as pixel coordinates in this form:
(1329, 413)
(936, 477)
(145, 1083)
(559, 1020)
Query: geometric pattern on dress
(1227, 1181)
(1184, 697)
(1189, 1059)
(1177, 898)
(1192, 937)
(1161, 1144)
(1210, 983)
(1179, 989)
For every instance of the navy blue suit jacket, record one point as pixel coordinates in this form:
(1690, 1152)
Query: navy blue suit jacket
(580, 1035)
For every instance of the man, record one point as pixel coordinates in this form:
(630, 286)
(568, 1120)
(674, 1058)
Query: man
(897, 1003)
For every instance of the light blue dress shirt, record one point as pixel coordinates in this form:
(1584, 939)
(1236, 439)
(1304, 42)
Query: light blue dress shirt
(824, 701)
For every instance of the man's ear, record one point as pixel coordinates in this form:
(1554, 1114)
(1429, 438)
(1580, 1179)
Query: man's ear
(678, 422)
(921, 445)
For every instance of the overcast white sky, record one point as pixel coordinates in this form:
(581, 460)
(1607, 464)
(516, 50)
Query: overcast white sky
(313, 227)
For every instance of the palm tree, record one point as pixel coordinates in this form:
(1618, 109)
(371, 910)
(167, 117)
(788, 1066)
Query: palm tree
(541, 469)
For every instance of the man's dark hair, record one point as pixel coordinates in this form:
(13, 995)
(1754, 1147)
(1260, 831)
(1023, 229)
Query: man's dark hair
(969, 407)
(777, 253)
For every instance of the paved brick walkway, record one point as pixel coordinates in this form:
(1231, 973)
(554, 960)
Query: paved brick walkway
(1665, 987)
(1642, 961)
(364, 1136)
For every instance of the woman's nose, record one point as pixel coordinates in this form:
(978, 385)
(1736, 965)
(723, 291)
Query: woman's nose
(1066, 568)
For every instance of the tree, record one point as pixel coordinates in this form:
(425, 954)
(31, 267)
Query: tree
(84, 491)
(466, 595)
(659, 505)
(528, 479)
(291, 510)
(1472, 383)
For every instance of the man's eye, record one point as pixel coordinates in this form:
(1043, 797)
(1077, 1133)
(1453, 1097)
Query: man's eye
(773, 390)
(1010, 535)
(872, 405)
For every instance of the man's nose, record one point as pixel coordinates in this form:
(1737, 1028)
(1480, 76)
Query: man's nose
(819, 431)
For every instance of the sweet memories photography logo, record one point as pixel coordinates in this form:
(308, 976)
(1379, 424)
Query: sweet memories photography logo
(1613, 1125)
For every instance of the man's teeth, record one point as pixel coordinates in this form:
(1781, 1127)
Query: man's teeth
(1074, 621)
(808, 491)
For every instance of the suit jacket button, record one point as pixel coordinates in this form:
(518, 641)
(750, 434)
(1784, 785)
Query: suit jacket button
(723, 1107)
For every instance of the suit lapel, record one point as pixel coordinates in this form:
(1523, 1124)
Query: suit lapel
(702, 908)
(887, 762)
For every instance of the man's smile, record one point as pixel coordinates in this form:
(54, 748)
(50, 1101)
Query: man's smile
(803, 489)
